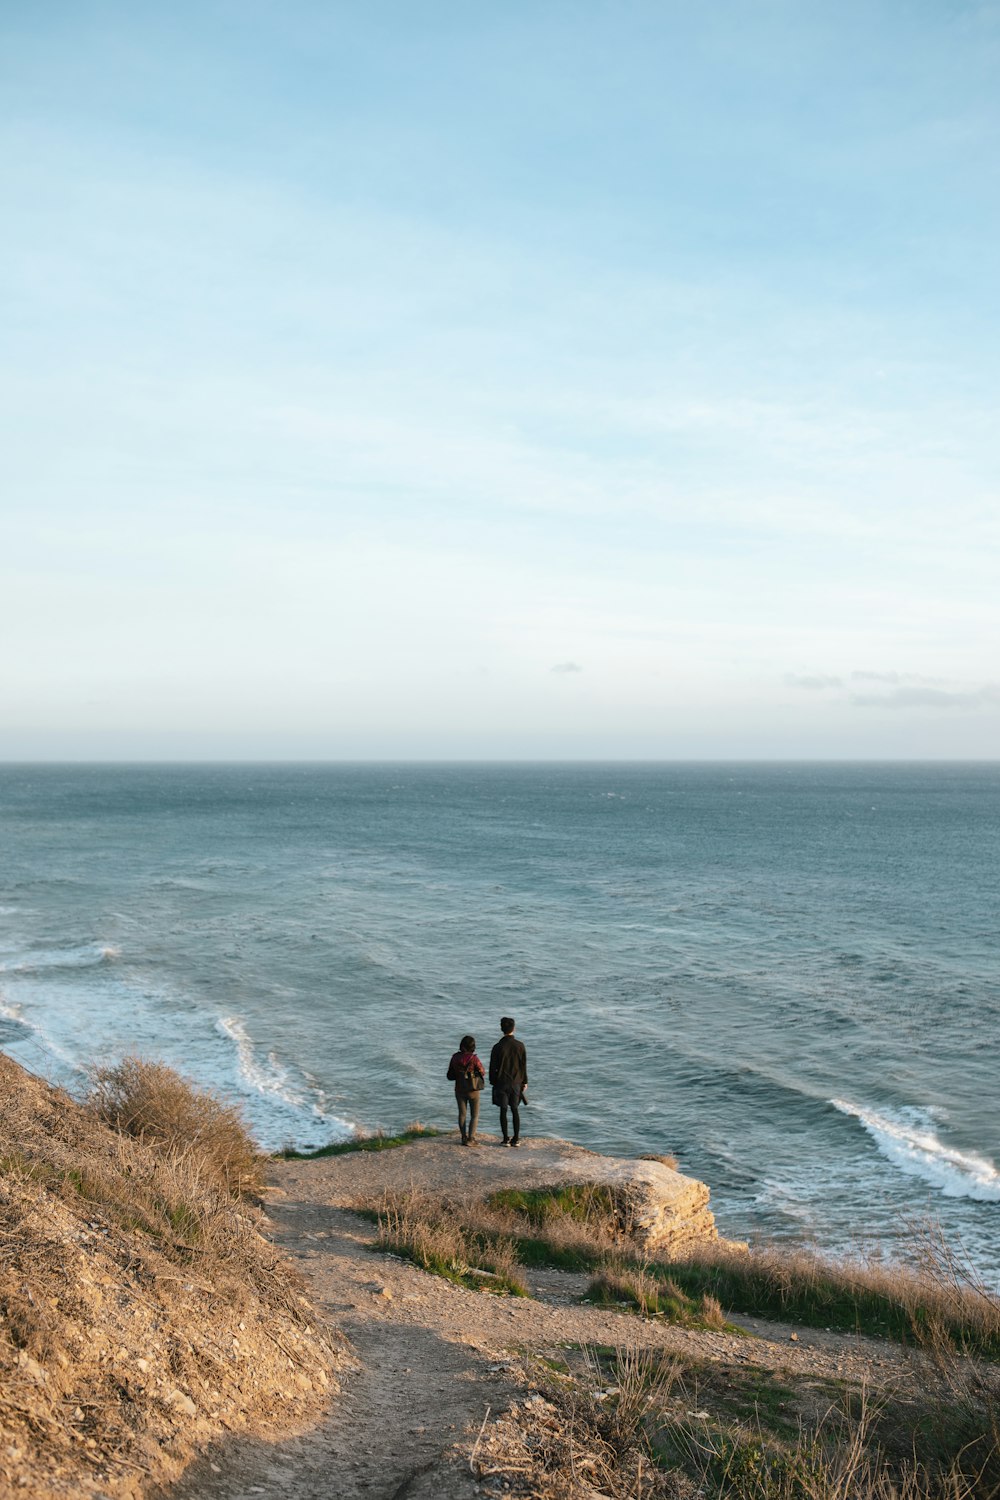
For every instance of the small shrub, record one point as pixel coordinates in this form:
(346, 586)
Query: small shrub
(150, 1101)
(665, 1159)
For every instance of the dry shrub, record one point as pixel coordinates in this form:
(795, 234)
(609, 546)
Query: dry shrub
(665, 1159)
(587, 1439)
(152, 1102)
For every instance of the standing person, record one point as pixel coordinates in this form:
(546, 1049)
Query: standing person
(509, 1077)
(468, 1075)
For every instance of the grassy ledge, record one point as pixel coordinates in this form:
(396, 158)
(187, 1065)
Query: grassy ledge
(376, 1142)
(583, 1227)
(930, 1307)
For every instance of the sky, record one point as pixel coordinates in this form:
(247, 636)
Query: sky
(514, 380)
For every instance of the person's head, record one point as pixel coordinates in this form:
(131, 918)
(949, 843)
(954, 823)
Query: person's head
(506, 1025)
(467, 1044)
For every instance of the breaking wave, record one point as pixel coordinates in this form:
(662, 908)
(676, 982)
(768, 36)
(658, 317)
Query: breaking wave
(296, 1112)
(907, 1139)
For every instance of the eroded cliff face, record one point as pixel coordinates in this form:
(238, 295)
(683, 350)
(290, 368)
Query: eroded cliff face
(663, 1210)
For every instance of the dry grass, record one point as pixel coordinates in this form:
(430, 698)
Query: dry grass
(629, 1423)
(155, 1104)
(665, 1160)
(859, 1449)
(624, 1284)
(588, 1439)
(937, 1302)
(585, 1227)
(425, 1231)
(132, 1290)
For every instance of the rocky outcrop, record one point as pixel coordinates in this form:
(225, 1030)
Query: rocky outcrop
(666, 1212)
(662, 1209)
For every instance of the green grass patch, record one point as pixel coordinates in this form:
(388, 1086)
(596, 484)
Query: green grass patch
(652, 1295)
(454, 1268)
(583, 1202)
(362, 1143)
(534, 1250)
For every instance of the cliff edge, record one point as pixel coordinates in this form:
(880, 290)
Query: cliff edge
(657, 1207)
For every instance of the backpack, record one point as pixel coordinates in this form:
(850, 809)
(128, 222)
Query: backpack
(470, 1080)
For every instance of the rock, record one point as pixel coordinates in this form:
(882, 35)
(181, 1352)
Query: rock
(180, 1402)
(660, 1208)
(31, 1368)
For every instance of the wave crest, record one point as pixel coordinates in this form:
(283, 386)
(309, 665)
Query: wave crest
(908, 1140)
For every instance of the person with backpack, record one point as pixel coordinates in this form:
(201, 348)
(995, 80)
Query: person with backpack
(468, 1075)
(509, 1077)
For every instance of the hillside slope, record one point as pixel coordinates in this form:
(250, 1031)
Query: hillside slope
(141, 1312)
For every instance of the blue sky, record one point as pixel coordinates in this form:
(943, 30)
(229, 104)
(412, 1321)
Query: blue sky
(500, 380)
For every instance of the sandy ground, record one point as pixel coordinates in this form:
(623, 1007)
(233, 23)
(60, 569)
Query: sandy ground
(432, 1358)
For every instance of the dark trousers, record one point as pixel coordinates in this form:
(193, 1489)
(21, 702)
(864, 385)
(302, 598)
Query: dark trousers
(468, 1102)
(512, 1099)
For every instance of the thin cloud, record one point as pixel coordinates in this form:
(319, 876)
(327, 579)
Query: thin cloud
(565, 667)
(899, 679)
(814, 683)
(987, 696)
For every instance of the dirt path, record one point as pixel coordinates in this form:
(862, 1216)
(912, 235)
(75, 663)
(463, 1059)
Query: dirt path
(432, 1357)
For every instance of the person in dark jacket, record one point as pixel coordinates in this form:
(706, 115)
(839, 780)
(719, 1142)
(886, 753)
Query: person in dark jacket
(509, 1077)
(468, 1075)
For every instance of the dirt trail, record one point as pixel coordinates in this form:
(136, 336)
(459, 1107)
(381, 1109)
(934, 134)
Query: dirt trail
(432, 1357)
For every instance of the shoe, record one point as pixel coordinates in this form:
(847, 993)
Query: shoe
(472, 1141)
(466, 1141)
(515, 1142)
(505, 1142)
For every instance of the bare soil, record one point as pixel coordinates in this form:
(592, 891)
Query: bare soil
(433, 1362)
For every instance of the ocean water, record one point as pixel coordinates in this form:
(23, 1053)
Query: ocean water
(787, 975)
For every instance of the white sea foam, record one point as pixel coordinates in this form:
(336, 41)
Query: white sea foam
(268, 1078)
(786, 1199)
(41, 1039)
(907, 1139)
(293, 1113)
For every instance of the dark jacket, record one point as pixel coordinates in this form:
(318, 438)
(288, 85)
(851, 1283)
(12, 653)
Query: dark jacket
(508, 1067)
(458, 1068)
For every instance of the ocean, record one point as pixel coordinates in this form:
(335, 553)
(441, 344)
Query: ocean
(786, 975)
